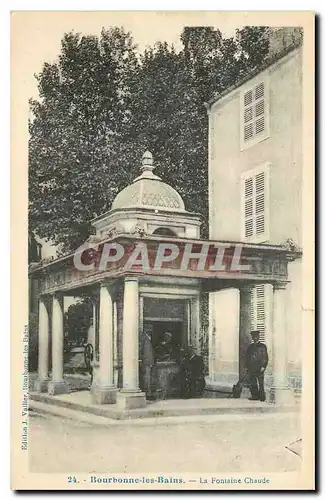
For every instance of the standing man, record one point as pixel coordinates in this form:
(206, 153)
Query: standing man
(193, 381)
(147, 365)
(256, 363)
(165, 351)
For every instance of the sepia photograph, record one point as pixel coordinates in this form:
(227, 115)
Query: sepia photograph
(163, 190)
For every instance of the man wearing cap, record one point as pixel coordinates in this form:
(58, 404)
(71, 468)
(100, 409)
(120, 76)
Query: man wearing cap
(148, 372)
(256, 363)
(165, 351)
(192, 374)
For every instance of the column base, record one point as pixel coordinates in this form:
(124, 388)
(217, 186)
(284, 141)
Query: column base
(281, 396)
(103, 395)
(41, 385)
(130, 400)
(57, 387)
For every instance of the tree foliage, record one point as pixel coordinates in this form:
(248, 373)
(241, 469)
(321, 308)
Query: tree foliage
(102, 105)
(78, 319)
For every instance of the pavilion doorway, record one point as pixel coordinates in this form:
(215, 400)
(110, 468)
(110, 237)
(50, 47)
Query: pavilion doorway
(163, 338)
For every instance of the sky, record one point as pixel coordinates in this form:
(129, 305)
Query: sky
(36, 37)
(40, 33)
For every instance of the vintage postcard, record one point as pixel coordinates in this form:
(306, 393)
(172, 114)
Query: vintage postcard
(163, 205)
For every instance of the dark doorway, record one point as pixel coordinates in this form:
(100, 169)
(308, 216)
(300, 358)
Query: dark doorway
(161, 354)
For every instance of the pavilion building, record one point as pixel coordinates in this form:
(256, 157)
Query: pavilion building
(130, 302)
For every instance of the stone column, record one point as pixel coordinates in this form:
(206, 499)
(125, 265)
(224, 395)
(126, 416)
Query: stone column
(103, 389)
(196, 324)
(131, 396)
(57, 385)
(223, 339)
(91, 335)
(41, 383)
(213, 340)
(280, 390)
(244, 325)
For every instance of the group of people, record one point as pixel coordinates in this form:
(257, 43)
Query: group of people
(191, 379)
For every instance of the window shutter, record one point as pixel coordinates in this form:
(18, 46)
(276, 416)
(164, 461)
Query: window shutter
(260, 203)
(248, 98)
(254, 205)
(253, 309)
(257, 311)
(248, 131)
(249, 207)
(259, 108)
(259, 91)
(260, 125)
(260, 311)
(254, 112)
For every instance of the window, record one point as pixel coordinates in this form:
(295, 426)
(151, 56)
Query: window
(254, 115)
(258, 310)
(255, 184)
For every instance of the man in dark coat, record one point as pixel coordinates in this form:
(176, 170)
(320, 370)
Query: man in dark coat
(148, 372)
(165, 351)
(192, 374)
(256, 363)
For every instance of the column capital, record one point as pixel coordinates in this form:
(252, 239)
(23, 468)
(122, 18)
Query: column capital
(46, 300)
(105, 288)
(44, 296)
(103, 284)
(280, 285)
(58, 295)
(131, 278)
(245, 288)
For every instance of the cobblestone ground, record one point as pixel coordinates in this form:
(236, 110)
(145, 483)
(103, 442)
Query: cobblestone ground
(253, 443)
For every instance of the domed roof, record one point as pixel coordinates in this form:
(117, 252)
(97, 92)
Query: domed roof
(149, 191)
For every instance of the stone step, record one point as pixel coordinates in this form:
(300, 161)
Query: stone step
(169, 408)
(36, 407)
(43, 410)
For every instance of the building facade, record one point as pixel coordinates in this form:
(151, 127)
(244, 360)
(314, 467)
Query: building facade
(255, 196)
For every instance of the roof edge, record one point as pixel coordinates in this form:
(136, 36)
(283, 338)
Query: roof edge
(267, 63)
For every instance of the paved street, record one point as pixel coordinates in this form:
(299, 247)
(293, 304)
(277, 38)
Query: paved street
(236, 443)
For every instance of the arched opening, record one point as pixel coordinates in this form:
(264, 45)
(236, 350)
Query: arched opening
(164, 231)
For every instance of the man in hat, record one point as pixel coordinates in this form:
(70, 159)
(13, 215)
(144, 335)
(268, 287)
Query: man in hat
(192, 374)
(148, 366)
(256, 363)
(165, 351)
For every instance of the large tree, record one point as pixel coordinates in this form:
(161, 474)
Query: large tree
(75, 134)
(101, 106)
